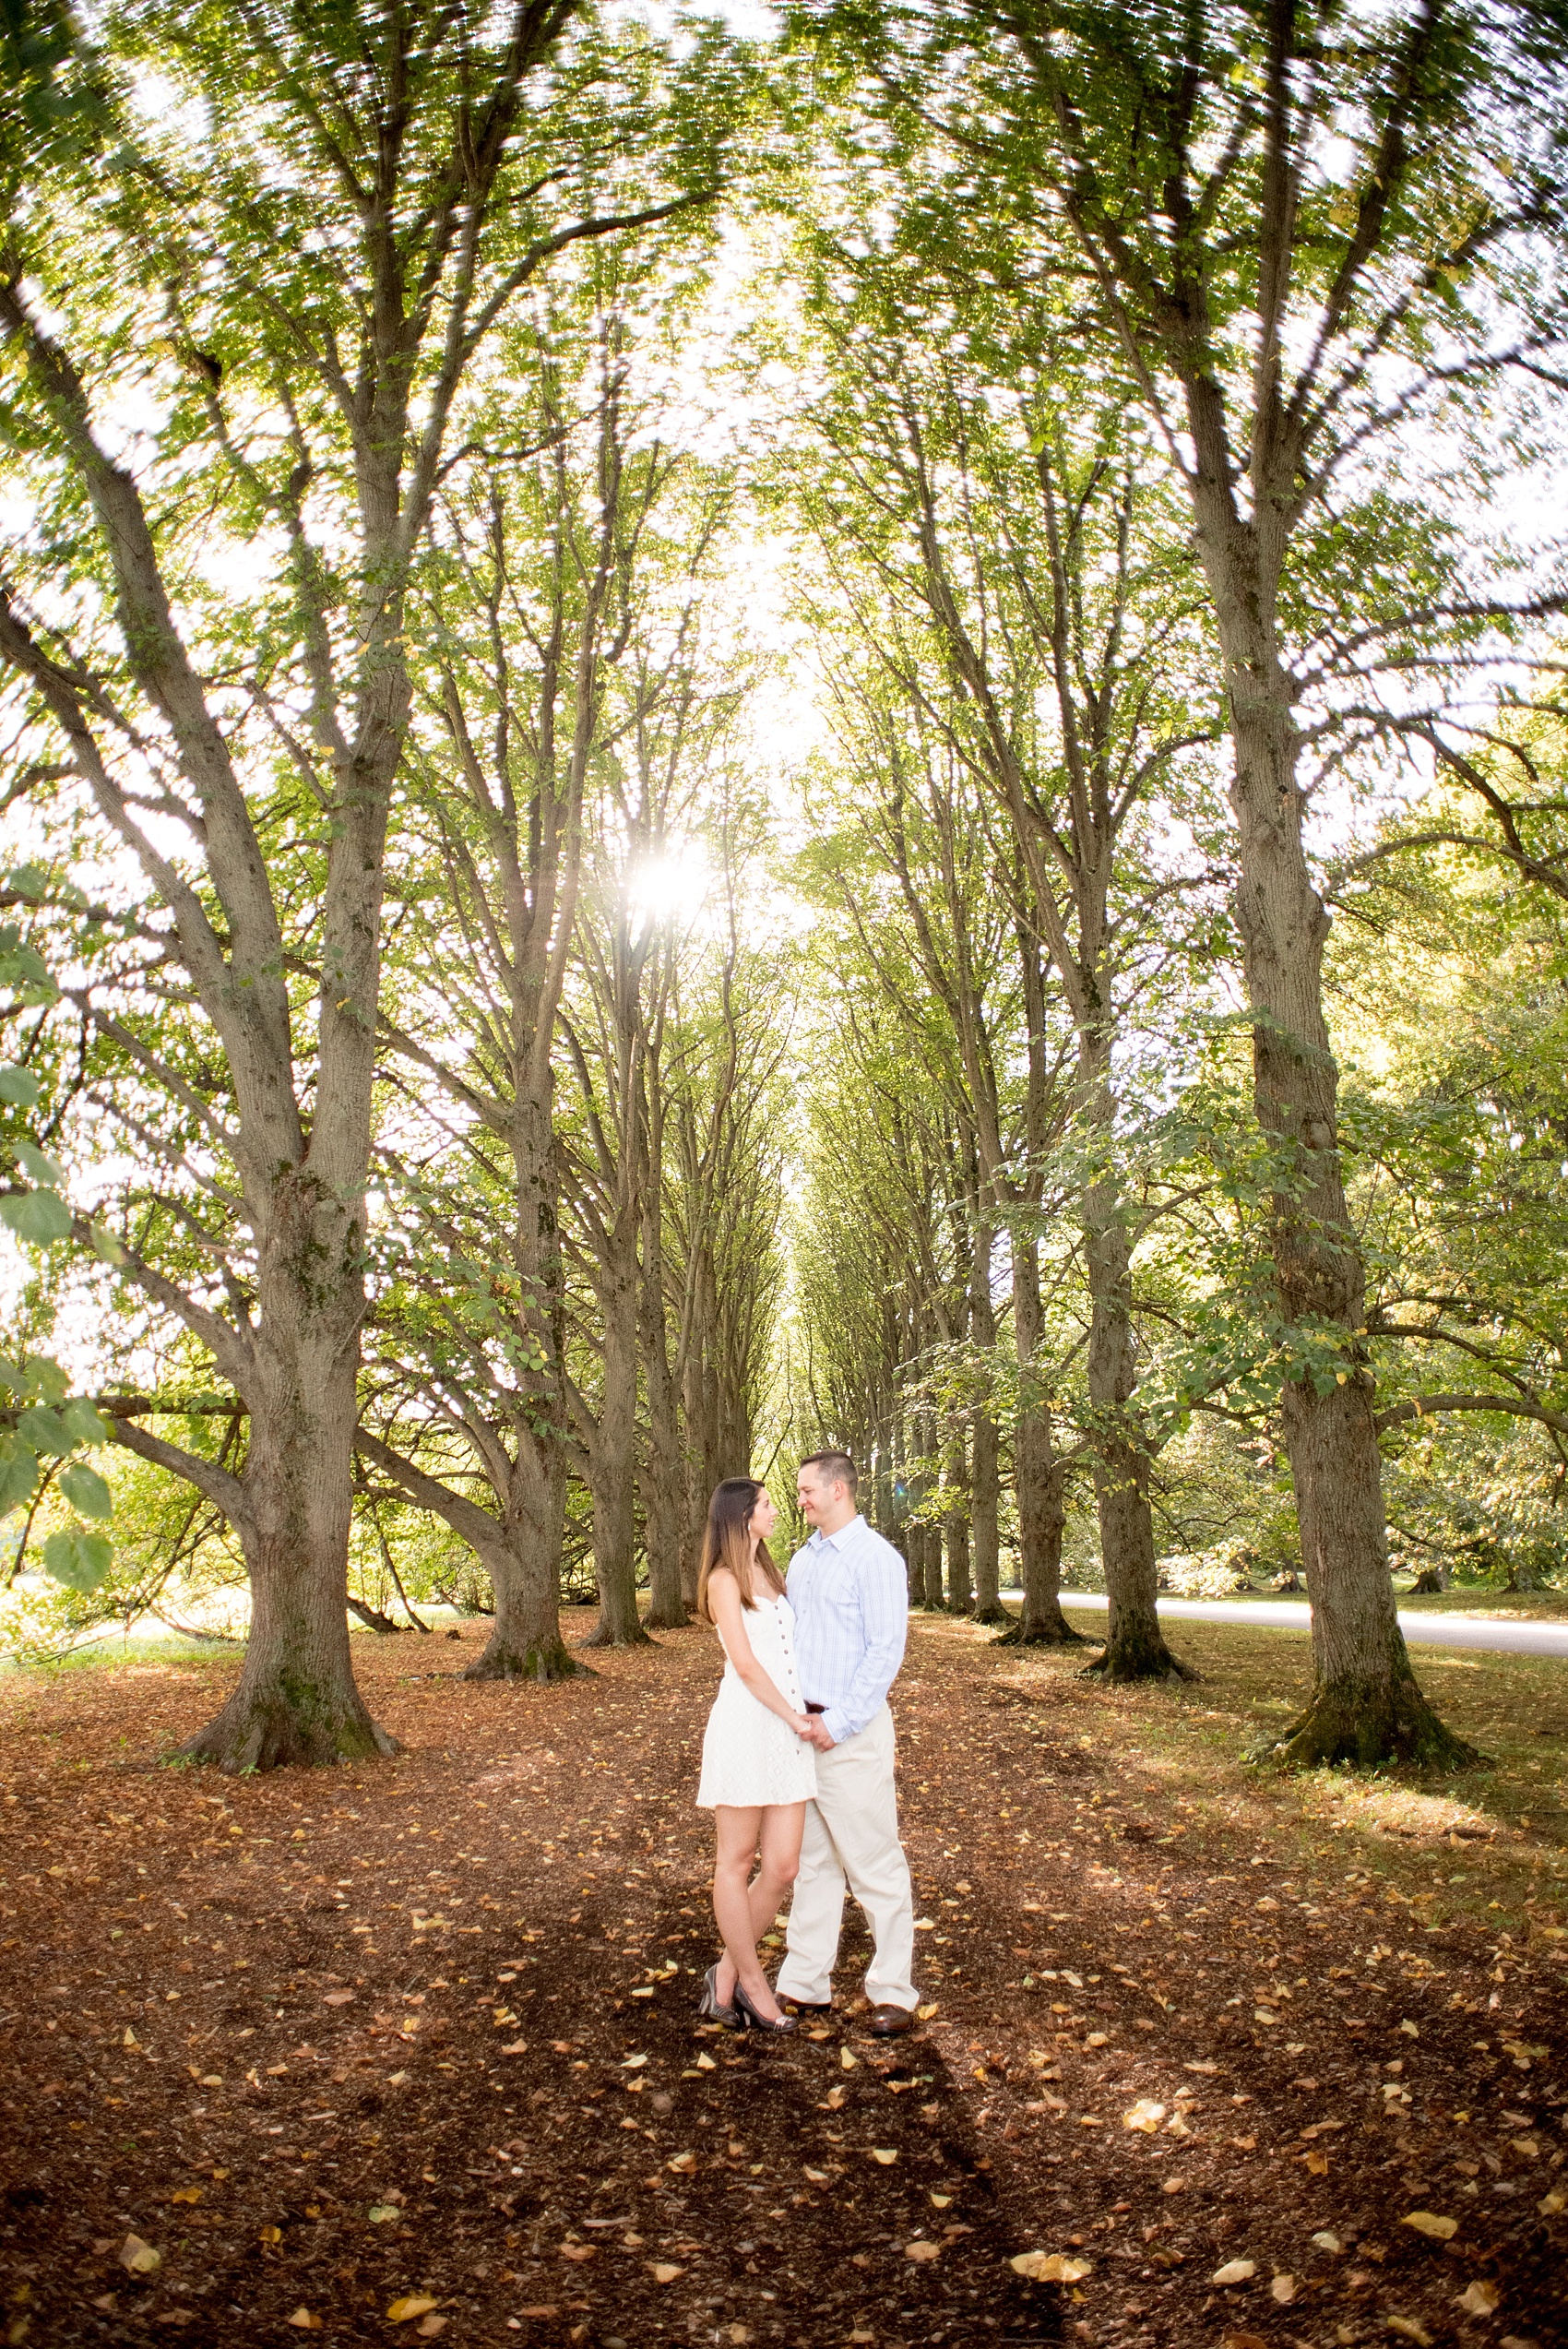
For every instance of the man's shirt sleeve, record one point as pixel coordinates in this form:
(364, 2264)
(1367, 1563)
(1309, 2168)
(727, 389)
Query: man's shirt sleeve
(884, 1620)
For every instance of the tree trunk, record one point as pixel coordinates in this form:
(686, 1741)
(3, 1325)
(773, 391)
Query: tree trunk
(520, 1549)
(960, 1595)
(1039, 1478)
(524, 1564)
(1365, 1704)
(985, 1481)
(296, 1701)
(611, 1467)
(1134, 1647)
(664, 1487)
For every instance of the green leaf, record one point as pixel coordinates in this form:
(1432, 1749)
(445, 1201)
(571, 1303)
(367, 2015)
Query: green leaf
(84, 1424)
(18, 1475)
(19, 1087)
(38, 1217)
(38, 1164)
(105, 1247)
(85, 1490)
(78, 1558)
(43, 1430)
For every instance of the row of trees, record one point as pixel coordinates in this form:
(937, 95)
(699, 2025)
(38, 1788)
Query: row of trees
(1131, 376)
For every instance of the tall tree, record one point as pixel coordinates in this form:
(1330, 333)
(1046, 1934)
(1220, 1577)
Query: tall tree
(290, 279)
(1277, 212)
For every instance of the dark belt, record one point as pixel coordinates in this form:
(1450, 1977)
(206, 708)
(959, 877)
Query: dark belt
(811, 1708)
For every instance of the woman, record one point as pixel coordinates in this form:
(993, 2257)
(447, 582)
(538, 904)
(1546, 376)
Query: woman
(757, 1773)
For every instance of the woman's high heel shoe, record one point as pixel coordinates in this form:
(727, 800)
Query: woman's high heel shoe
(751, 2021)
(708, 2005)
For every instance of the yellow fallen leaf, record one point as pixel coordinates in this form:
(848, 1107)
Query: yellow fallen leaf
(1283, 2289)
(272, 2234)
(1409, 2028)
(921, 2249)
(516, 2048)
(139, 2257)
(1049, 2266)
(846, 2061)
(817, 2178)
(1317, 2162)
(210, 2079)
(1479, 2298)
(940, 2202)
(924, 2015)
(428, 2327)
(305, 2320)
(705, 2062)
(382, 2213)
(886, 2155)
(1235, 2272)
(1145, 2115)
(1528, 2146)
(1550, 2204)
(665, 2271)
(412, 2304)
(1429, 2223)
(578, 2251)
(739, 2333)
(1098, 2039)
(1410, 2330)
(187, 2194)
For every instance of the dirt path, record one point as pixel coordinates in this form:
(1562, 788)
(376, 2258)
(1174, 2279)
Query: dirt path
(424, 2033)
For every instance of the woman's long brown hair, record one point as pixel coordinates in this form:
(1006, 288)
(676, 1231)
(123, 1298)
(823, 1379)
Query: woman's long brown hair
(726, 1541)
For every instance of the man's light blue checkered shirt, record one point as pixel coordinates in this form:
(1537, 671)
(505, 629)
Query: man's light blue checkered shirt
(849, 1592)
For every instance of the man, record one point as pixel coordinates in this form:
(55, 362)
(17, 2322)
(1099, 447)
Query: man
(849, 1593)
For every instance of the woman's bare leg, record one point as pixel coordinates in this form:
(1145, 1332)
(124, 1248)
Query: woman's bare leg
(778, 1828)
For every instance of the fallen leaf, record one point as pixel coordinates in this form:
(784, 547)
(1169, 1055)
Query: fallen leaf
(334, 1998)
(739, 2333)
(886, 2155)
(817, 2178)
(921, 2249)
(139, 2257)
(1410, 2330)
(412, 2304)
(1550, 2204)
(1283, 2289)
(272, 2234)
(1317, 2162)
(1243, 2341)
(430, 2326)
(382, 2213)
(705, 2063)
(1172, 2185)
(846, 2061)
(1479, 2298)
(1049, 2266)
(517, 2047)
(210, 2079)
(940, 2202)
(681, 2164)
(1409, 2028)
(635, 2063)
(1235, 2272)
(1528, 2146)
(1145, 2115)
(665, 2271)
(1098, 2039)
(1326, 2242)
(924, 2015)
(187, 2194)
(1429, 2223)
(1205, 2066)
(305, 2320)
(578, 2251)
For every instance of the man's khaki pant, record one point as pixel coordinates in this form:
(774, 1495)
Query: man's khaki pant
(852, 1835)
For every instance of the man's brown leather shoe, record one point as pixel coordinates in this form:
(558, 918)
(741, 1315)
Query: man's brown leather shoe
(890, 2022)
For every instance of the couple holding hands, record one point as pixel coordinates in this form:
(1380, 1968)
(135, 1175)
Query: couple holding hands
(797, 1759)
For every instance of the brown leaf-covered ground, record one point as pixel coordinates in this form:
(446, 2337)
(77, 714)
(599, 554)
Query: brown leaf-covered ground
(295, 2053)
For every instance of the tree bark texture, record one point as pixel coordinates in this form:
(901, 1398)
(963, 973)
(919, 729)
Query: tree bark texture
(1039, 1478)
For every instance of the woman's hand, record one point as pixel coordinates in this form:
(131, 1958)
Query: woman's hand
(800, 1722)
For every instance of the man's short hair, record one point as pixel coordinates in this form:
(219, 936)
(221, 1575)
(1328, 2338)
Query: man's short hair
(835, 1468)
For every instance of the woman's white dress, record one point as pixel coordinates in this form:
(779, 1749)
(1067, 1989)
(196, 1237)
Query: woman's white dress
(749, 1754)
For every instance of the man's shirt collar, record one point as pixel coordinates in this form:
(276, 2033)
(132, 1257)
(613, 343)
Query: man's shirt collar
(821, 1541)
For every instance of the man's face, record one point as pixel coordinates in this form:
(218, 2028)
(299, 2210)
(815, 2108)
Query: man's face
(812, 1495)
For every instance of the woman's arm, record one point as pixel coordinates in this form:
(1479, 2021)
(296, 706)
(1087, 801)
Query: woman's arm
(724, 1600)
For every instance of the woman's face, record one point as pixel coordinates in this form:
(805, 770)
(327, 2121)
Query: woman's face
(763, 1518)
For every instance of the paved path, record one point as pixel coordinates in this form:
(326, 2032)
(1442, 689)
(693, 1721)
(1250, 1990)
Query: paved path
(1518, 1638)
